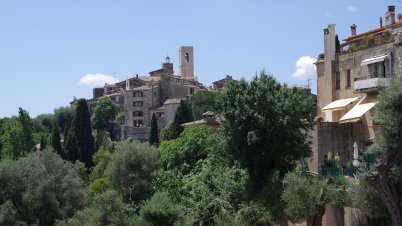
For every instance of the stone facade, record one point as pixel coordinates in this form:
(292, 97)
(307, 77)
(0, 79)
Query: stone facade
(359, 67)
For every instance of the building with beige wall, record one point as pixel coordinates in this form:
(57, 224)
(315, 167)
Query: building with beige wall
(159, 93)
(349, 77)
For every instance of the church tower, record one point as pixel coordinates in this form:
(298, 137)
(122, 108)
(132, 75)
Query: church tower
(186, 66)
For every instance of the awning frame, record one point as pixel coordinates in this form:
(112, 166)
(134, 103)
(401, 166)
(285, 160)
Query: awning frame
(374, 59)
(339, 104)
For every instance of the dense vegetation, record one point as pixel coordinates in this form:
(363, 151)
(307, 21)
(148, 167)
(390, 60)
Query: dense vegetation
(247, 173)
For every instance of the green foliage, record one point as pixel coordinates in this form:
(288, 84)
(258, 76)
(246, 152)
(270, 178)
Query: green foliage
(17, 135)
(42, 143)
(64, 118)
(337, 44)
(265, 124)
(104, 111)
(214, 190)
(101, 159)
(106, 209)
(202, 102)
(160, 210)
(182, 115)
(38, 189)
(252, 214)
(71, 147)
(56, 139)
(301, 195)
(98, 186)
(43, 123)
(183, 152)
(388, 115)
(167, 132)
(130, 170)
(153, 135)
(81, 129)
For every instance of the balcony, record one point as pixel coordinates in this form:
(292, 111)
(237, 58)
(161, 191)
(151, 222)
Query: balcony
(371, 83)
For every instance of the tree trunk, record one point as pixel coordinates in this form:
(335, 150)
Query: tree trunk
(316, 220)
(387, 190)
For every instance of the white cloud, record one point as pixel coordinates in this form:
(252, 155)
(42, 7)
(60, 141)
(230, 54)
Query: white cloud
(305, 68)
(352, 9)
(97, 79)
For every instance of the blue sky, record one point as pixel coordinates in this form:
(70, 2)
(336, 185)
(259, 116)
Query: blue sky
(46, 47)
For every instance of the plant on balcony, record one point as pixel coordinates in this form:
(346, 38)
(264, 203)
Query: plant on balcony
(368, 40)
(387, 35)
(318, 119)
(352, 47)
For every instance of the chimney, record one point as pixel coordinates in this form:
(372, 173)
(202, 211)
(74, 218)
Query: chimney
(136, 75)
(380, 21)
(390, 16)
(353, 29)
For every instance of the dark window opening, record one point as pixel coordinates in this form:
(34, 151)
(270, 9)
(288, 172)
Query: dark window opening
(348, 78)
(138, 104)
(337, 80)
(187, 57)
(138, 114)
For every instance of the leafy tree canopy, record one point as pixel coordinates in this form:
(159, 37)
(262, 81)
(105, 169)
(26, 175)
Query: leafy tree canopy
(38, 189)
(266, 124)
(204, 101)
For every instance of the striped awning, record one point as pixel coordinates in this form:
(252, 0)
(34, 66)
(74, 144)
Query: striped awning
(374, 59)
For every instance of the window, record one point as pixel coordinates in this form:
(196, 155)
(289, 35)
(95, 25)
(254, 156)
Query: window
(138, 114)
(138, 94)
(191, 91)
(138, 123)
(138, 104)
(377, 70)
(337, 80)
(187, 57)
(348, 78)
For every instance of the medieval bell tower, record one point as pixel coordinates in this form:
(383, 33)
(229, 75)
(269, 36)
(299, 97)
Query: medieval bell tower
(186, 66)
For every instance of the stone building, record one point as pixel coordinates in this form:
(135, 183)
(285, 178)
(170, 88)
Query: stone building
(349, 76)
(159, 93)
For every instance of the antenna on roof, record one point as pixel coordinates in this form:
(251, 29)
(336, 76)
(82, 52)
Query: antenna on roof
(308, 82)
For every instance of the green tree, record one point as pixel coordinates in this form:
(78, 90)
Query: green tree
(337, 44)
(81, 128)
(56, 140)
(71, 147)
(64, 118)
(38, 189)
(183, 114)
(202, 102)
(160, 210)
(17, 135)
(153, 135)
(184, 152)
(386, 177)
(265, 124)
(42, 143)
(306, 197)
(106, 209)
(130, 171)
(103, 113)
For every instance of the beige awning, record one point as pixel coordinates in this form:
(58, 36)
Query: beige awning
(374, 59)
(339, 104)
(357, 112)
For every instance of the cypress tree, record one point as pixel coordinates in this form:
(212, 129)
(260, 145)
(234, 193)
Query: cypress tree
(183, 115)
(337, 44)
(71, 146)
(81, 131)
(55, 140)
(42, 143)
(153, 135)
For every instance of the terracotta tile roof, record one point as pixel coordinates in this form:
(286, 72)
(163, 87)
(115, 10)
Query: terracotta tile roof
(172, 101)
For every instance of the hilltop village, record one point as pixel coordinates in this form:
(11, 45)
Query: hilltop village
(165, 149)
